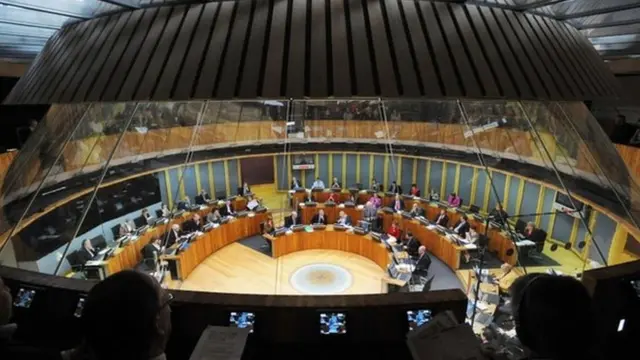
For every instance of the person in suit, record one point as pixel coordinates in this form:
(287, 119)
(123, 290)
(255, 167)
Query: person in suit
(214, 217)
(146, 216)
(411, 244)
(335, 184)
(151, 253)
(343, 219)
(173, 235)
(192, 225)
(165, 210)
(394, 230)
(462, 226)
(87, 252)
(442, 219)
(318, 184)
(351, 201)
(415, 190)
(319, 218)
(395, 188)
(227, 209)
(454, 200)
(398, 204)
(295, 184)
(423, 262)
(374, 185)
(376, 201)
(185, 204)
(498, 215)
(126, 228)
(534, 234)
(416, 210)
(246, 190)
(292, 220)
(203, 198)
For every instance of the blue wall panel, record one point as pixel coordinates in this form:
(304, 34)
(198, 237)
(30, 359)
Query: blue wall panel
(281, 173)
(204, 177)
(174, 180)
(562, 227)
(529, 203)
(378, 169)
(352, 168)
(394, 164)
(309, 176)
(407, 174)
(451, 181)
(422, 175)
(163, 187)
(603, 232)
(233, 176)
(464, 186)
(218, 178)
(499, 182)
(189, 181)
(365, 165)
(337, 169)
(323, 170)
(512, 202)
(547, 206)
(435, 177)
(481, 186)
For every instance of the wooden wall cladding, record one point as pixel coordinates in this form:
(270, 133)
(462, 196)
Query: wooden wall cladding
(315, 48)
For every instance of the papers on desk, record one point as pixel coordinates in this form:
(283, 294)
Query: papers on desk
(220, 343)
(288, 232)
(525, 243)
(360, 207)
(431, 227)
(341, 206)
(391, 240)
(93, 263)
(405, 267)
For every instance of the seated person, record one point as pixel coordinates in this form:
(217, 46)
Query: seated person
(534, 234)
(203, 198)
(252, 203)
(423, 262)
(498, 215)
(395, 188)
(462, 226)
(472, 237)
(268, 228)
(415, 190)
(351, 201)
(132, 310)
(151, 252)
(87, 251)
(411, 244)
(214, 217)
(227, 209)
(319, 218)
(397, 204)
(246, 190)
(185, 204)
(172, 236)
(416, 210)
(146, 216)
(333, 198)
(295, 184)
(335, 184)
(376, 201)
(374, 185)
(343, 219)
(292, 220)
(165, 211)
(126, 228)
(433, 195)
(394, 230)
(318, 184)
(454, 200)
(192, 225)
(442, 219)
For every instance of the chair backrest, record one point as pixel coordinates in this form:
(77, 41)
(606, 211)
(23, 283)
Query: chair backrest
(73, 259)
(140, 221)
(159, 213)
(116, 231)
(427, 284)
(520, 226)
(474, 209)
(99, 242)
(221, 195)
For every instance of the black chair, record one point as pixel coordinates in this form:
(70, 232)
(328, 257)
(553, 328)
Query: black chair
(474, 209)
(520, 226)
(221, 195)
(159, 213)
(140, 221)
(116, 231)
(427, 284)
(74, 260)
(98, 242)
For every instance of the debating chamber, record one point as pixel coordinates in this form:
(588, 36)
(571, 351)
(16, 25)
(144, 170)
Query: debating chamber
(243, 179)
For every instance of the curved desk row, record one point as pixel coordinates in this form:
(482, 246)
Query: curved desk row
(331, 213)
(130, 255)
(331, 239)
(185, 262)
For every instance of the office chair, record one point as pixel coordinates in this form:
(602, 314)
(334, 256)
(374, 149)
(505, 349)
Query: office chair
(427, 283)
(99, 242)
(74, 260)
(158, 213)
(520, 226)
(539, 237)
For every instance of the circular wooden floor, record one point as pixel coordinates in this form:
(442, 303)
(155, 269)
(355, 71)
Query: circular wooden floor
(241, 270)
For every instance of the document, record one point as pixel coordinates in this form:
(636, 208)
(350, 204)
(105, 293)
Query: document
(220, 343)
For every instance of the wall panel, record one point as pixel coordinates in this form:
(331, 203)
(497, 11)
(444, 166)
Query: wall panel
(337, 169)
(351, 170)
(451, 181)
(547, 206)
(218, 178)
(512, 201)
(435, 177)
(529, 203)
(365, 166)
(378, 169)
(481, 188)
(465, 183)
(562, 227)
(323, 167)
(233, 180)
(496, 192)
(317, 48)
(603, 233)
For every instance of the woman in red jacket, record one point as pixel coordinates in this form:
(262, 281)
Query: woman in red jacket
(394, 230)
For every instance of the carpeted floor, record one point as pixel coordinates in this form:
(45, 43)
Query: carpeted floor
(257, 243)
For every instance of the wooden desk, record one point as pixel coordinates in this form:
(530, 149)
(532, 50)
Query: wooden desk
(331, 213)
(206, 244)
(330, 239)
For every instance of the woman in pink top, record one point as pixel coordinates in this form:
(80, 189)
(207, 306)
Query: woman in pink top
(454, 200)
(376, 201)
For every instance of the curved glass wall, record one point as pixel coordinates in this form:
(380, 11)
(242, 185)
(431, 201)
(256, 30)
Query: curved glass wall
(90, 168)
